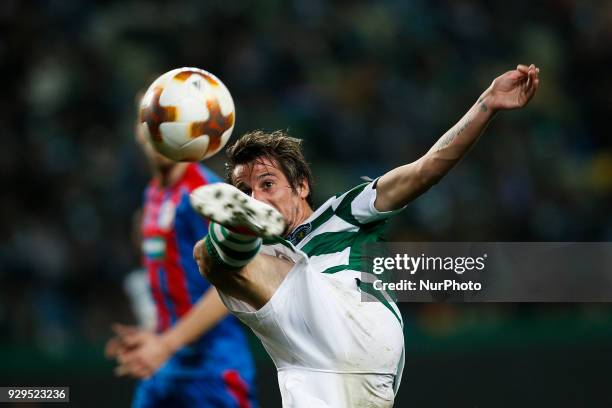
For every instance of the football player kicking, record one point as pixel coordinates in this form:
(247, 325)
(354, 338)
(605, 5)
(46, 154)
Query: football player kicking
(293, 274)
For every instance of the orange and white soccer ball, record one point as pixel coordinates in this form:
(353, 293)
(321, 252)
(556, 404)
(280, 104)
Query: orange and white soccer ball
(188, 114)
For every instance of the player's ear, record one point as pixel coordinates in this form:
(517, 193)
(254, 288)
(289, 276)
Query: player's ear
(303, 189)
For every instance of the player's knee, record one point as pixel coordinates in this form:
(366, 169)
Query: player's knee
(202, 258)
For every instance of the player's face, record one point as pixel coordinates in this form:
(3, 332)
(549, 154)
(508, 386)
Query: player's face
(263, 180)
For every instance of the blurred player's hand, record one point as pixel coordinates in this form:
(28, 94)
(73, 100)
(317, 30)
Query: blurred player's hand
(116, 346)
(514, 88)
(139, 352)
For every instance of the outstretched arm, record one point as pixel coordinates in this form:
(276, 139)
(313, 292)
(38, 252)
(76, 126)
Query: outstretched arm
(403, 184)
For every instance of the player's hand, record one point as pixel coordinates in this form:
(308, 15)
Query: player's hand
(116, 345)
(514, 89)
(145, 352)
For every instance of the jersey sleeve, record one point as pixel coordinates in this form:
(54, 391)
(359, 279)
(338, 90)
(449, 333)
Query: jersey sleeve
(356, 206)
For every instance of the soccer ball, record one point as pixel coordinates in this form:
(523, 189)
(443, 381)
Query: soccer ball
(187, 114)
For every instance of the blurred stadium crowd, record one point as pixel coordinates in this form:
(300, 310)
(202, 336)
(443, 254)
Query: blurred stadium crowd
(368, 86)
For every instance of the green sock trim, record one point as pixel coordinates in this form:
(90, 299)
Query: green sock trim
(223, 237)
(212, 251)
(232, 253)
(227, 252)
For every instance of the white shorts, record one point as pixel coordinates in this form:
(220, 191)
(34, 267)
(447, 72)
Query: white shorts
(318, 389)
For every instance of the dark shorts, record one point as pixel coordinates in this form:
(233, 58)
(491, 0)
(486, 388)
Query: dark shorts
(225, 390)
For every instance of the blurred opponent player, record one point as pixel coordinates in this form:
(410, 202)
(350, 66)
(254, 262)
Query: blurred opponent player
(199, 355)
(300, 292)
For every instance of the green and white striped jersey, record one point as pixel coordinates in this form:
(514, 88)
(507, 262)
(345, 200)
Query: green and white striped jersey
(334, 235)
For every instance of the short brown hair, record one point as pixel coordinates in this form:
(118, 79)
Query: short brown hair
(278, 145)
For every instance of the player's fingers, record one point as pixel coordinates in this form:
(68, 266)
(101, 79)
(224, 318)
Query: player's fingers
(124, 358)
(512, 77)
(113, 347)
(533, 74)
(531, 90)
(120, 371)
(529, 81)
(138, 360)
(132, 340)
(141, 372)
(138, 369)
(130, 336)
(522, 68)
(125, 370)
(132, 370)
(132, 360)
(146, 371)
(122, 329)
(110, 348)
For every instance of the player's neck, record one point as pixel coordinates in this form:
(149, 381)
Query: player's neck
(167, 176)
(303, 213)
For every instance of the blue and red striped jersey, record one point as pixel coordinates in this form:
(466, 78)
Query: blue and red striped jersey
(170, 229)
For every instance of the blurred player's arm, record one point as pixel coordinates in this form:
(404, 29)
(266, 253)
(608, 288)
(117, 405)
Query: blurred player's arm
(143, 352)
(403, 184)
(203, 316)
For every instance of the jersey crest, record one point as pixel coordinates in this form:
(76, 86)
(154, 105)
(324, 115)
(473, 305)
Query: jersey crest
(300, 233)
